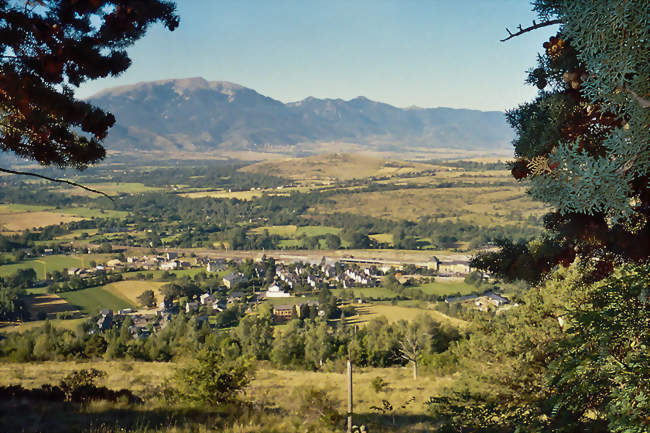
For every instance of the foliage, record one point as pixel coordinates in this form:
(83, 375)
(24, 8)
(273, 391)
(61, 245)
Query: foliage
(147, 298)
(573, 358)
(48, 47)
(582, 144)
(211, 380)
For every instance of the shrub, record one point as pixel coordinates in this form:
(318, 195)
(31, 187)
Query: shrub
(212, 380)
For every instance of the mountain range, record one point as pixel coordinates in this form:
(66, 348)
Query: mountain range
(195, 115)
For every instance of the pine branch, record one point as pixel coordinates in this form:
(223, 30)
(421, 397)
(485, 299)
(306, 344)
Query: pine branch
(535, 26)
(51, 179)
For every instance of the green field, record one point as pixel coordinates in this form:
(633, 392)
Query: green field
(368, 292)
(42, 265)
(95, 298)
(447, 288)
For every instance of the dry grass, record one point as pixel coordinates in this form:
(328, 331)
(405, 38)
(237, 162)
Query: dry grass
(134, 375)
(394, 313)
(479, 205)
(49, 304)
(337, 166)
(19, 221)
(131, 289)
(270, 388)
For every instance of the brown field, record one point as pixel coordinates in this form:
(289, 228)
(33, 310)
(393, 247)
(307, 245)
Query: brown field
(394, 313)
(270, 387)
(479, 205)
(131, 289)
(337, 166)
(20, 221)
(48, 303)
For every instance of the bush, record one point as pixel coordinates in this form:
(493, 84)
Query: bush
(212, 380)
(317, 405)
(379, 384)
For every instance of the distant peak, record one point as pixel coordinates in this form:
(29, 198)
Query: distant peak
(180, 85)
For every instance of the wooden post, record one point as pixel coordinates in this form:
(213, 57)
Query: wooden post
(349, 396)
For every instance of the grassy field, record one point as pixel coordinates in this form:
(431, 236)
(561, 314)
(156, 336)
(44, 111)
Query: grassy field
(292, 231)
(42, 265)
(14, 222)
(95, 298)
(368, 292)
(45, 264)
(335, 166)
(47, 303)
(70, 324)
(484, 205)
(131, 289)
(272, 388)
(112, 188)
(85, 213)
(394, 313)
(445, 288)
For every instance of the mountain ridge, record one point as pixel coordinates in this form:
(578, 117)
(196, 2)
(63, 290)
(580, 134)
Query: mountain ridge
(196, 115)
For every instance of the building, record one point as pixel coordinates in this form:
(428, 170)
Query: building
(207, 299)
(275, 291)
(191, 306)
(216, 265)
(282, 312)
(234, 280)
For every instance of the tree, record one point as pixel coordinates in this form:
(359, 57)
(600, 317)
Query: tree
(49, 47)
(147, 298)
(212, 380)
(573, 356)
(582, 144)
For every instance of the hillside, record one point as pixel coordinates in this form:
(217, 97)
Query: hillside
(194, 115)
(336, 166)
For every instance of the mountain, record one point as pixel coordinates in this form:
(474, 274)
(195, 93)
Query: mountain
(195, 115)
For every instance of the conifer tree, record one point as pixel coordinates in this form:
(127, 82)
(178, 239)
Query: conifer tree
(50, 47)
(583, 144)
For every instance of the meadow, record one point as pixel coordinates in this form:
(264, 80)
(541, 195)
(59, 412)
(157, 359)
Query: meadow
(131, 289)
(95, 298)
(285, 393)
(43, 265)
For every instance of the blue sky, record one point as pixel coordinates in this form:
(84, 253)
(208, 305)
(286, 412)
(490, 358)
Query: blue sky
(428, 53)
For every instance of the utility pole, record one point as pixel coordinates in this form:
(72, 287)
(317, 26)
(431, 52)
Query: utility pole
(349, 396)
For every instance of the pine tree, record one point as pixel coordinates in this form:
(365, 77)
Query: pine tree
(49, 47)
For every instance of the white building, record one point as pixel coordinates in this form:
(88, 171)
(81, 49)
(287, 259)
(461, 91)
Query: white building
(276, 291)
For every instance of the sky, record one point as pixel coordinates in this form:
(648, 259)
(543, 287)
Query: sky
(427, 53)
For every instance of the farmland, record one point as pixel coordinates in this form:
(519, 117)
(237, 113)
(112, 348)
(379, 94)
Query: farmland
(45, 264)
(95, 298)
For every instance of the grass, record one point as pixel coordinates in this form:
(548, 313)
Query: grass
(47, 303)
(447, 288)
(131, 289)
(239, 195)
(112, 188)
(335, 166)
(394, 313)
(21, 221)
(484, 205)
(70, 324)
(368, 292)
(278, 390)
(42, 265)
(96, 298)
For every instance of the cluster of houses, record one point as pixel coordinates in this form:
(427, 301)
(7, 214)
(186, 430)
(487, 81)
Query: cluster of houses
(482, 302)
(140, 327)
(169, 261)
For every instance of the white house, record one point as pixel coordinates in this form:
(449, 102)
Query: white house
(276, 291)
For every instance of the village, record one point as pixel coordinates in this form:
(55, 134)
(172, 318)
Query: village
(289, 288)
